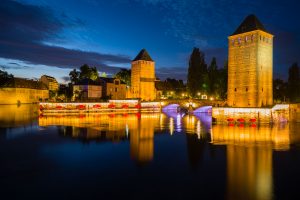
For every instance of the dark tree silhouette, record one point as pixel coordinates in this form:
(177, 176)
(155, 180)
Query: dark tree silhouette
(197, 80)
(294, 83)
(213, 76)
(279, 90)
(4, 78)
(124, 75)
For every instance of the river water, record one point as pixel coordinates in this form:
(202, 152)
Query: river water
(144, 156)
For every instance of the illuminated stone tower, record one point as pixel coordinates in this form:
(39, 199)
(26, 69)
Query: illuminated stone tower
(143, 77)
(250, 65)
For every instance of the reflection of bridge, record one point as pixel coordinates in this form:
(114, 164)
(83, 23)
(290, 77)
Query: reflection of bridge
(190, 104)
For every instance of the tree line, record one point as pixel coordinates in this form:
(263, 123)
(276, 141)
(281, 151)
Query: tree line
(206, 79)
(213, 81)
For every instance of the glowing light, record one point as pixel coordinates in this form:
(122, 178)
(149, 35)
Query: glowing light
(171, 126)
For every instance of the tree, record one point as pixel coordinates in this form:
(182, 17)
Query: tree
(223, 81)
(197, 80)
(87, 72)
(213, 77)
(4, 78)
(74, 76)
(124, 75)
(279, 90)
(294, 83)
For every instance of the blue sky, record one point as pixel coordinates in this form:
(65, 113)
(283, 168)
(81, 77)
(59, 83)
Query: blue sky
(54, 36)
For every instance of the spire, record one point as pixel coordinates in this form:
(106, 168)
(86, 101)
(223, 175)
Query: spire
(250, 23)
(143, 55)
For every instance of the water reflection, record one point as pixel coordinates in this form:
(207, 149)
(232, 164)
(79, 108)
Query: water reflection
(17, 116)
(183, 140)
(138, 128)
(249, 158)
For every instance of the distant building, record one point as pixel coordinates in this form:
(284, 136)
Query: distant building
(20, 90)
(143, 77)
(87, 90)
(113, 88)
(250, 65)
(50, 82)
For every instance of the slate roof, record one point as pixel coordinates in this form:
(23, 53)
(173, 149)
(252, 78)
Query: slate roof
(50, 78)
(250, 23)
(143, 55)
(87, 81)
(24, 83)
(110, 80)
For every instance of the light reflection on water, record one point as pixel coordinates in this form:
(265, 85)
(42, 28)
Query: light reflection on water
(248, 150)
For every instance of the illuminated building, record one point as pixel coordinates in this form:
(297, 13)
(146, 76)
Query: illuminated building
(143, 77)
(20, 90)
(113, 88)
(87, 90)
(250, 65)
(50, 82)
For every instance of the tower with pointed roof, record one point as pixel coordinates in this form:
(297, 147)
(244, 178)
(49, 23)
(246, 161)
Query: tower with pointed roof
(250, 65)
(143, 77)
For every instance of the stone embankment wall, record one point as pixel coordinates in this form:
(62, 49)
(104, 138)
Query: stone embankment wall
(22, 95)
(279, 113)
(295, 112)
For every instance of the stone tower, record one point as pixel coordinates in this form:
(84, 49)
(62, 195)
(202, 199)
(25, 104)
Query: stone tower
(143, 77)
(250, 65)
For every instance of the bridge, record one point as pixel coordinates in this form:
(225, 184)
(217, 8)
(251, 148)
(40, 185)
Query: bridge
(195, 105)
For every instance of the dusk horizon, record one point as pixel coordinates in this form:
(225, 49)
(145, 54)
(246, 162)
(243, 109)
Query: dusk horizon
(54, 37)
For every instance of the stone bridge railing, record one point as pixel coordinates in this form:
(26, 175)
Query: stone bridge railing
(192, 103)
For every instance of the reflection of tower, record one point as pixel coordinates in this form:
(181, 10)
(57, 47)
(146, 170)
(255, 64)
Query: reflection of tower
(249, 172)
(250, 65)
(143, 77)
(141, 138)
(249, 158)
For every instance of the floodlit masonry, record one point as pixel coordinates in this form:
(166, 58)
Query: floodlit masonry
(250, 65)
(143, 77)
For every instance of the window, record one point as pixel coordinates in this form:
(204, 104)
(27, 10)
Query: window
(116, 89)
(235, 89)
(246, 89)
(262, 89)
(117, 82)
(239, 40)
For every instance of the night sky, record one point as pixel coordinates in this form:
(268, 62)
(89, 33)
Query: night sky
(54, 36)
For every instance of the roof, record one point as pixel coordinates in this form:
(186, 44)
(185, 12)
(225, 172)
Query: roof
(143, 55)
(87, 81)
(49, 77)
(110, 80)
(25, 83)
(250, 23)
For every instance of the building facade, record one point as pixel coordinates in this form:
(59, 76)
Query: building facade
(50, 82)
(143, 77)
(250, 65)
(20, 90)
(113, 88)
(87, 90)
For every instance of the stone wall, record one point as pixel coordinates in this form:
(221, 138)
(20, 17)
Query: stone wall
(295, 112)
(277, 114)
(142, 80)
(250, 69)
(22, 95)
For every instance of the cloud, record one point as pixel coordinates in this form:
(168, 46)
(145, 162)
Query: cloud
(172, 72)
(65, 78)
(26, 28)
